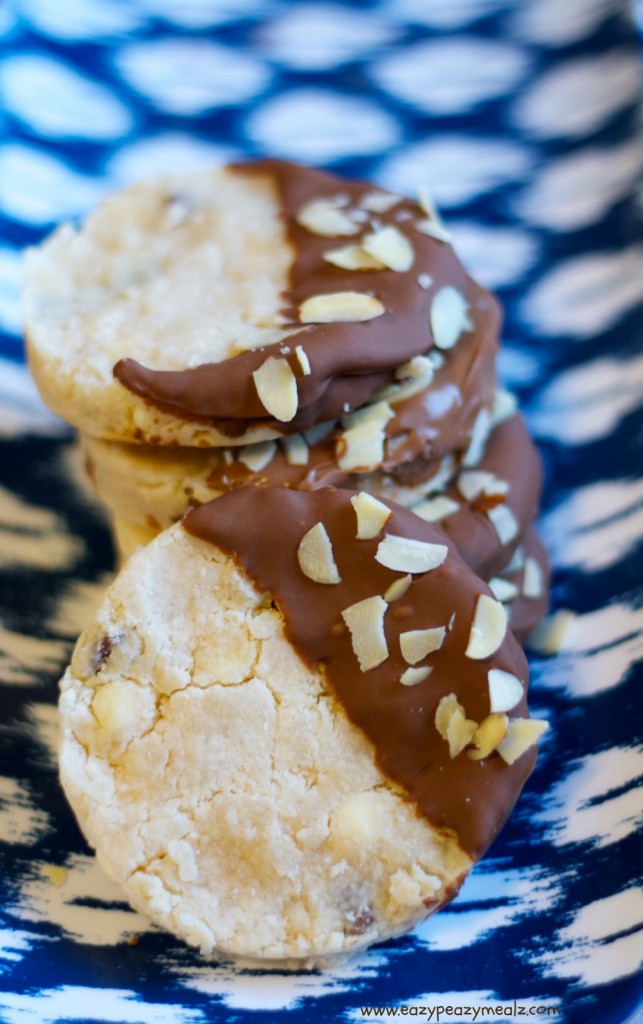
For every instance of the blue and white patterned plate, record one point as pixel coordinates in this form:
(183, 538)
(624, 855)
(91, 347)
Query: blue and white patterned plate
(525, 118)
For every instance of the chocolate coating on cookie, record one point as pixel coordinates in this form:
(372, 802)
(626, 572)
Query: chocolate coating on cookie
(510, 455)
(349, 361)
(263, 528)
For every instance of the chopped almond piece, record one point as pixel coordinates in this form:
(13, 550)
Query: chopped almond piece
(315, 555)
(365, 621)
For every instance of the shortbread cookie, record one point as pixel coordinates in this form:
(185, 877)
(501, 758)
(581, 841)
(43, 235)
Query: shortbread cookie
(240, 304)
(287, 742)
(484, 505)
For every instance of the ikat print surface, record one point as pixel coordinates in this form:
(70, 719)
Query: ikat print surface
(524, 118)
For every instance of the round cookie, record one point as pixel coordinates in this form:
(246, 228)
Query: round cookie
(236, 305)
(261, 777)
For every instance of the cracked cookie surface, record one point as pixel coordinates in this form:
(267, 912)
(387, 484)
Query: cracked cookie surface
(221, 781)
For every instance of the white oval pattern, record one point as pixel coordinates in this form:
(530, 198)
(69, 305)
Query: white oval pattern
(188, 75)
(317, 126)
(39, 189)
(578, 190)
(55, 100)
(586, 295)
(576, 98)
(456, 167)
(449, 76)
(321, 36)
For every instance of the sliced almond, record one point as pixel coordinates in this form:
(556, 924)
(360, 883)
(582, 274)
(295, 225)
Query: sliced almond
(416, 644)
(315, 555)
(487, 629)
(533, 579)
(413, 676)
(413, 377)
(365, 621)
(434, 229)
(479, 438)
(379, 202)
(491, 731)
(277, 388)
(472, 482)
(453, 724)
(340, 307)
(361, 446)
(434, 225)
(552, 635)
(505, 690)
(325, 217)
(257, 456)
(434, 509)
(504, 523)
(372, 515)
(397, 589)
(352, 257)
(505, 405)
(516, 563)
(303, 361)
(503, 590)
(522, 734)
(391, 247)
(296, 449)
(407, 555)
(449, 317)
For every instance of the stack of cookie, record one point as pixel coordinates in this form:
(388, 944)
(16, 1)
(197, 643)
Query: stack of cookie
(269, 324)
(297, 372)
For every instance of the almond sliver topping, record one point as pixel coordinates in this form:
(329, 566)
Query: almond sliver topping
(413, 676)
(406, 555)
(257, 456)
(365, 621)
(340, 307)
(296, 449)
(324, 217)
(303, 361)
(379, 202)
(472, 482)
(434, 509)
(372, 515)
(315, 556)
(277, 388)
(522, 734)
(453, 725)
(491, 731)
(504, 523)
(503, 590)
(352, 257)
(397, 589)
(505, 690)
(416, 644)
(361, 446)
(487, 629)
(533, 582)
(391, 247)
(449, 317)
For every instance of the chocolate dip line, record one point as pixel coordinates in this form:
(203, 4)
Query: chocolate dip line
(348, 361)
(261, 528)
